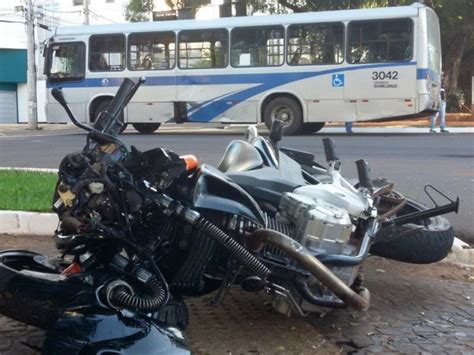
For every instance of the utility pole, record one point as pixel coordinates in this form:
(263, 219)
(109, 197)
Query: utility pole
(32, 98)
(86, 12)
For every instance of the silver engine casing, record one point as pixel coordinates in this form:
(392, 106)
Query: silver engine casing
(319, 226)
(323, 216)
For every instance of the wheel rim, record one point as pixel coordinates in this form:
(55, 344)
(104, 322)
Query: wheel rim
(283, 113)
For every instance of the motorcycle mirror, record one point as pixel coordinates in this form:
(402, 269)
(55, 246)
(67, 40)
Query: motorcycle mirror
(276, 133)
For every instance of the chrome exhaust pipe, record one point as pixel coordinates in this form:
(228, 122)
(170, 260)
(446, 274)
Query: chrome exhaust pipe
(313, 265)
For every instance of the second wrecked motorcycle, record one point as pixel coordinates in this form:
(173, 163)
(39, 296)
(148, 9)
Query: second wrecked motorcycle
(142, 231)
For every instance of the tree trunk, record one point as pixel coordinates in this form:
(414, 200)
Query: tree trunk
(241, 8)
(225, 10)
(452, 60)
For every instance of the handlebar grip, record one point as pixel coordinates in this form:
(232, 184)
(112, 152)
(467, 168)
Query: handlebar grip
(363, 172)
(330, 149)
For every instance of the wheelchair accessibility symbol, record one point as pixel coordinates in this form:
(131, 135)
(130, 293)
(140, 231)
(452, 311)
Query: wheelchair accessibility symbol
(338, 80)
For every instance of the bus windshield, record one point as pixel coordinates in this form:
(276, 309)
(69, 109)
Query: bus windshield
(67, 62)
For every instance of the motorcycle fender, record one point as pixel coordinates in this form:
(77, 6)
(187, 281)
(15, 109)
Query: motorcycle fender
(216, 191)
(112, 333)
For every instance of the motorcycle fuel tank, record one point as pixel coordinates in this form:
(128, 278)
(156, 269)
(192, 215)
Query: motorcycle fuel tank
(112, 333)
(216, 191)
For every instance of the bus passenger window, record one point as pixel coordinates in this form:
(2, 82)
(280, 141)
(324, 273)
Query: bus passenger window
(257, 46)
(380, 41)
(203, 49)
(321, 43)
(107, 52)
(151, 51)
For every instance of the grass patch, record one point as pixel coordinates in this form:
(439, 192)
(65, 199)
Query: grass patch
(26, 190)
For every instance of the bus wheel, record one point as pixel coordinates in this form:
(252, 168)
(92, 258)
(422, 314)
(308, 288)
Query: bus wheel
(313, 127)
(104, 105)
(146, 128)
(287, 110)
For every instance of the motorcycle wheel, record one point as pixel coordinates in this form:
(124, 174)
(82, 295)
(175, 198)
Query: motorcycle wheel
(428, 241)
(33, 292)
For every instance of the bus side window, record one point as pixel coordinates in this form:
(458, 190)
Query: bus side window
(380, 41)
(107, 52)
(261, 46)
(317, 43)
(151, 51)
(199, 49)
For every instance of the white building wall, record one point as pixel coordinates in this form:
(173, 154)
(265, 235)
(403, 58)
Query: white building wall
(22, 99)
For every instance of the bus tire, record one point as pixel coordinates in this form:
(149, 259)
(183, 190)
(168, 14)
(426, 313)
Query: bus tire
(286, 109)
(313, 127)
(146, 128)
(104, 105)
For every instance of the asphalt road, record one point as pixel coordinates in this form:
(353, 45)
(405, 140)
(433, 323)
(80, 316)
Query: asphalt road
(410, 160)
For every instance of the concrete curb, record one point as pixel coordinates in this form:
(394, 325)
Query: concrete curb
(36, 170)
(31, 223)
(34, 223)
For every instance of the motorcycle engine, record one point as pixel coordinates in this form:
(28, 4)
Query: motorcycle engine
(320, 226)
(323, 220)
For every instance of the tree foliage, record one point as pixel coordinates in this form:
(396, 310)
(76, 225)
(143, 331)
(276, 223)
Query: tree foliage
(138, 10)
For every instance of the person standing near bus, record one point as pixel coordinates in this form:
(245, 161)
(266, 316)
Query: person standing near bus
(348, 126)
(441, 112)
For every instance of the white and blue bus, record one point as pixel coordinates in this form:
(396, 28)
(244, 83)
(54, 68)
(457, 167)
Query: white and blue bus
(305, 69)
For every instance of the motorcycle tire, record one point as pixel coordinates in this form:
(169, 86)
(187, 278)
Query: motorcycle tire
(427, 242)
(31, 292)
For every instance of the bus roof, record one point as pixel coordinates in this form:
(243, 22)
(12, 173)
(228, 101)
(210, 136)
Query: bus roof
(229, 22)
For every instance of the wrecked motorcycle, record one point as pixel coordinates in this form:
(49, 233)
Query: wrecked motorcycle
(140, 232)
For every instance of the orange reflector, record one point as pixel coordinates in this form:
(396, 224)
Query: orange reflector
(74, 268)
(190, 160)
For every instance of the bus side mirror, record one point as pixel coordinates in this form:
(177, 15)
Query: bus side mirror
(47, 60)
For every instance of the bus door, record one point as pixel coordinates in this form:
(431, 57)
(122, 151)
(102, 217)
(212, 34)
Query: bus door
(153, 55)
(202, 56)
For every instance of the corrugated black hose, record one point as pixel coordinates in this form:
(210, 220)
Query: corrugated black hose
(122, 297)
(234, 248)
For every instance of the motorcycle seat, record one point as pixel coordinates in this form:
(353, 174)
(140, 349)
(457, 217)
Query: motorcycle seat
(240, 156)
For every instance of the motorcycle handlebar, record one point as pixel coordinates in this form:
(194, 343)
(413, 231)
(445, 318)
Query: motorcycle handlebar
(59, 97)
(121, 99)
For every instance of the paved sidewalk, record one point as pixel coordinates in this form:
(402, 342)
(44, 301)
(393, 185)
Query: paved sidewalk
(415, 309)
